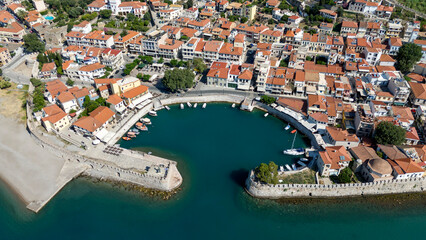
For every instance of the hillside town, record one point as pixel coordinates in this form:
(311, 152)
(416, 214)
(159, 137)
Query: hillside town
(342, 69)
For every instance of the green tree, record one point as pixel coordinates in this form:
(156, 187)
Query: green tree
(21, 14)
(408, 55)
(243, 19)
(70, 82)
(105, 14)
(33, 44)
(4, 84)
(199, 65)
(36, 82)
(139, 76)
(267, 99)
(178, 79)
(123, 33)
(189, 4)
(388, 133)
(161, 60)
(345, 175)
(146, 77)
(147, 16)
(267, 173)
(174, 62)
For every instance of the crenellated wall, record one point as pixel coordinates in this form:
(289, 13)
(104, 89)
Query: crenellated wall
(260, 190)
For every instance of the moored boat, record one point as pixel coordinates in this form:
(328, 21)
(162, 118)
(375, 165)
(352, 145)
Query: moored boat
(301, 163)
(195, 105)
(189, 104)
(204, 105)
(293, 166)
(126, 138)
(288, 167)
(233, 105)
(167, 107)
(146, 121)
(304, 159)
(152, 113)
(294, 151)
(131, 134)
(287, 127)
(181, 106)
(266, 114)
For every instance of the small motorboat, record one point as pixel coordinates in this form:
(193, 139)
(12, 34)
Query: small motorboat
(181, 106)
(301, 163)
(141, 126)
(131, 134)
(126, 138)
(233, 105)
(204, 105)
(266, 114)
(152, 113)
(195, 105)
(287, 127)
(294, 131)
(146, 121)
(288, 167)
(96, 142)
(189, 104)
(304, 159)
(293, 166)
(282, 169)
(167, 107)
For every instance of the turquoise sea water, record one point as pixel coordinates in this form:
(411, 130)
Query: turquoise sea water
(214, 148)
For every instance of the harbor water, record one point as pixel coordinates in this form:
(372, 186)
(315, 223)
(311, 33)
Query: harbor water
(215, 148)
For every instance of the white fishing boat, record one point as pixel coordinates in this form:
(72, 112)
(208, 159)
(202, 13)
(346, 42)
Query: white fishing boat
(204, 105)
(288, 167)
(146, 121)
(304, 159)
(195, 105)
(152, 113)
(294, 151)
(181, 106)
(233, 105)
(293, 166)
(287, 127)
(189, 104)
(301, 163)
(282, 169)
(266, 114)
(167, 107)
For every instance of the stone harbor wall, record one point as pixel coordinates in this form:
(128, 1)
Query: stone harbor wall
(277, 191)
(202, 99)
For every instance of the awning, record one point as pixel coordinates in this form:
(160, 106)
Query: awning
(101, 134)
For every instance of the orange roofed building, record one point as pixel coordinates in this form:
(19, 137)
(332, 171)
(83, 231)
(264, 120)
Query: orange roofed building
(332, 160)
(136, 95)
(54, 118)
(95, 122)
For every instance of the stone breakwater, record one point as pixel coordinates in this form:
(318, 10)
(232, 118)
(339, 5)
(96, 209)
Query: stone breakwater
(270, 191)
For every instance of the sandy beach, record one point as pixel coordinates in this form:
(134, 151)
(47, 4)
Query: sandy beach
(31, 172)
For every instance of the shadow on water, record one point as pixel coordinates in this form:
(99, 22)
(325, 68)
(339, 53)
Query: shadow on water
(239, 176)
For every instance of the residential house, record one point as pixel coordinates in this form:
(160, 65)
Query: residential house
(332, 160)
(339, 137)
(97, 120)
(54, 119)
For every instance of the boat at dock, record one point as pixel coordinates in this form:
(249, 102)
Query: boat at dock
(266, 114)
(287, 127)
(189, 104)
(131, 134)
(233, 105)
(301, 163)
(141, 126)
(181, 106)
(294, 151)
(304, 159)
(152, 113)
(135, 130)
(167, 107)
(146, 121)
(288, 167)
(294, 167)
(195, 105)
(204, 105)
(126, 138)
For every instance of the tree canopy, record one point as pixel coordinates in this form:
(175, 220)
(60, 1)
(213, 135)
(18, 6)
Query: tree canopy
(267, 99)
(178, 79)
(408, 55)
(267, 173)
(345, 175)
(388, 133)
(33, 44)
(105, 13)
(199, 65)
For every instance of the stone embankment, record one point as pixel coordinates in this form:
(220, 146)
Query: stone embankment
(270, 191)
